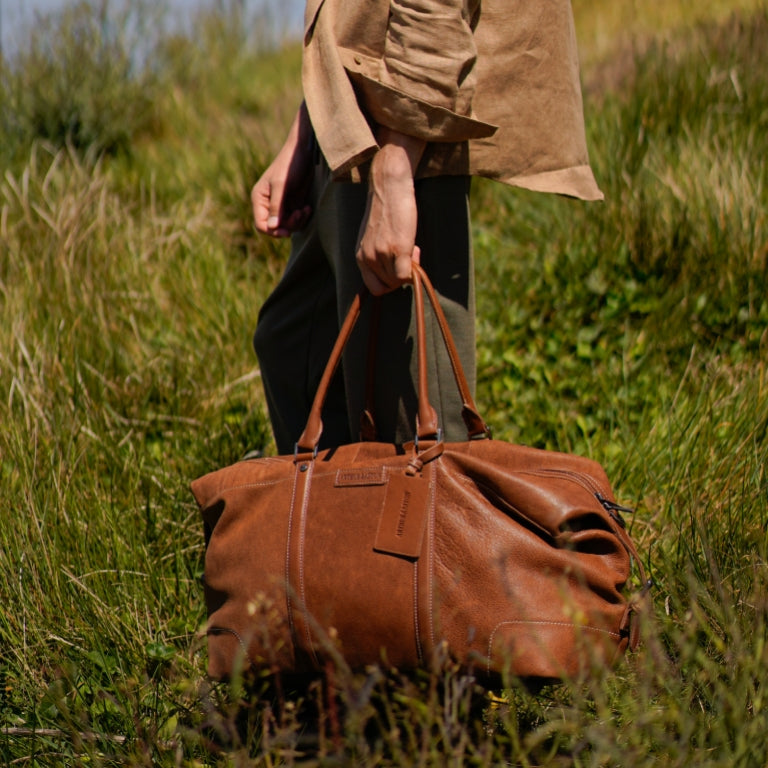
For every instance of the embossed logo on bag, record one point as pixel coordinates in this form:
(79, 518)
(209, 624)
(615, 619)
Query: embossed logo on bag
(360, 476)
(403, 514)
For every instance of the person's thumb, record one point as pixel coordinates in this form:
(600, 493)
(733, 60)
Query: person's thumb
(275, 204)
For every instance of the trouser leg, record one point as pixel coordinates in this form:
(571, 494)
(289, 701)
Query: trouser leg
(299, 322)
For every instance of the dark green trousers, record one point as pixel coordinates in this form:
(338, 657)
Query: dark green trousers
(299, 322)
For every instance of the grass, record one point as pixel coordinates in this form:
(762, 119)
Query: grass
(635, 331)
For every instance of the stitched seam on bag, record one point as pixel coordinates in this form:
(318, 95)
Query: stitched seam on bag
(252, 485)
(262, 483)
(288, 598)
(531, 622)
(582, 479)
(215, 630)
(555, 624)
(302, 585)
(416, 606)
(419, 651)
(430, 573)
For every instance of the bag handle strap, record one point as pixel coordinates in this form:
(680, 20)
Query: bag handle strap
(427, 426)
(476, 426)
(426, 420)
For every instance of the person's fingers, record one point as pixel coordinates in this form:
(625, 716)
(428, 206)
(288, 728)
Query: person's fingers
(402, 269)
(276, 191)
(374, 284)
(266, 199)
(260, 204)
(384, 274)
(378, 274)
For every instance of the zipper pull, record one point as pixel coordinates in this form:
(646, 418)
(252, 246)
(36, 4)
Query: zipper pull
(614, 509)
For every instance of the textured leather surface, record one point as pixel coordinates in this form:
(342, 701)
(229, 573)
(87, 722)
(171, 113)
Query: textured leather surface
(503, 556)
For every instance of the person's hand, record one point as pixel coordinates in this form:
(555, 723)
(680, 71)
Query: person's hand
(279, 197)
(387, 246)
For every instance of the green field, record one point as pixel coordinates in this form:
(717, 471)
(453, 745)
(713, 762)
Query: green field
(633, 331)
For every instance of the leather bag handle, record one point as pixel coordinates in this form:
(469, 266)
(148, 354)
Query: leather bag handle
(427, 426)
(476, 426)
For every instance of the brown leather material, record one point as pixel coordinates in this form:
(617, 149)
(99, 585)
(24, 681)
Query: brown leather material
(502, 556)
(403, 517)
(426, 420)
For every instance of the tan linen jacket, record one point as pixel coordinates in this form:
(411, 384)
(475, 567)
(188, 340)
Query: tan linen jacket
(494, 90)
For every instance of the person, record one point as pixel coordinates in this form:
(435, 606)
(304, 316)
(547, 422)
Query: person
(404, 101)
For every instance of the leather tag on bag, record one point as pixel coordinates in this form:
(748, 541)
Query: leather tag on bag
(359, 476)
(404, 516)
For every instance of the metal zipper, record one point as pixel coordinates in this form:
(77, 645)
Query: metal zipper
(615, 510)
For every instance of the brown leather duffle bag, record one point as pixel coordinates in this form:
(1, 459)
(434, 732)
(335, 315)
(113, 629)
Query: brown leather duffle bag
(499, 557)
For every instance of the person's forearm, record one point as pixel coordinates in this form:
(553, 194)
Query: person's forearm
(299, 137)
(302, 125)
(399, 154)
(388, 233)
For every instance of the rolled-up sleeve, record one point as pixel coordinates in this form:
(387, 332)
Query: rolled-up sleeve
(422, 82)
(404, 64)
(430, 52)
